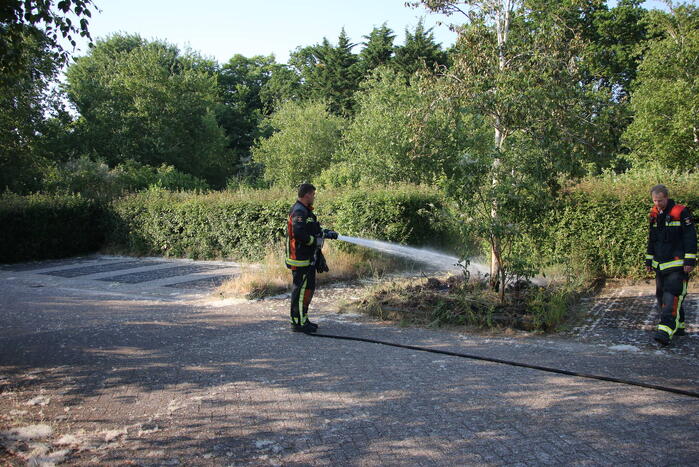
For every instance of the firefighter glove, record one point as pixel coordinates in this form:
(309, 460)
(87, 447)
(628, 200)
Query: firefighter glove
(331, 234)
(321, 265)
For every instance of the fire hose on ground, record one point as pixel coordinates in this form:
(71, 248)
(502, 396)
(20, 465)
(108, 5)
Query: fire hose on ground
(559, 371)
(435, 257)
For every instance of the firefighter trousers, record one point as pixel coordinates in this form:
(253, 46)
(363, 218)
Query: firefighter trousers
(670, 290)
(304, 280)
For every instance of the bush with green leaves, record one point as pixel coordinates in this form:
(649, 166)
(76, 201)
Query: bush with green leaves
(240, 225)
(47, 226)
(406, 133)
(404, 214)
(306, 139)
(94, 179)
(599, 227)
(132, 176)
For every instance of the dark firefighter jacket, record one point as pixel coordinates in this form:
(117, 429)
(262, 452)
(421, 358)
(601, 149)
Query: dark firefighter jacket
(672, 238)
(302, 228)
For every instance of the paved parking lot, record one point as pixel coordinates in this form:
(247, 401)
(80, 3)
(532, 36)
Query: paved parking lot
(123, 361)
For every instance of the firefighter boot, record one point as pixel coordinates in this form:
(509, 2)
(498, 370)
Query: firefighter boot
(662, 337)
(306, 328)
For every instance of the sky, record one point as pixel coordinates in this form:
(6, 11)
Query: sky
(221, 29)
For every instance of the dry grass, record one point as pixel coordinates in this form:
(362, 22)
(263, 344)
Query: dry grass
(271, 277)
(453, 301)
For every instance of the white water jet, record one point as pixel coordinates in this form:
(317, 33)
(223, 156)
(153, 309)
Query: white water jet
(433, 258)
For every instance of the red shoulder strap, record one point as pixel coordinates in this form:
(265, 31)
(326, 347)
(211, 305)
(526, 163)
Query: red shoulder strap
(676, 211)
(653, 212)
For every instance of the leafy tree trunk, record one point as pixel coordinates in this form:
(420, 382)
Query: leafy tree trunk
(503, 10)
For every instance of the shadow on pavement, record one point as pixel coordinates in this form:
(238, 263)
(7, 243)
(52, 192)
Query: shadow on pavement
(238, 386)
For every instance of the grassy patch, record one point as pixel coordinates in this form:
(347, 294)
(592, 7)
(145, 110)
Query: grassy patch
(271, 276)
(452, 301)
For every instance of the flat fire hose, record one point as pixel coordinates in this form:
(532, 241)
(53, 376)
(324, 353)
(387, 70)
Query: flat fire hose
(511, 363)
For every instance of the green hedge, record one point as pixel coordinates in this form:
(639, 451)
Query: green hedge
(599, 227)
(47, 226)
(405, 214)
(240, 225)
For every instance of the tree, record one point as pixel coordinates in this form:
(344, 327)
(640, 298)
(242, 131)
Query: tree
(45, 21)
(241, 82)
(340, 76)
(283, 85)
(329, 73)
(405, 133)
(614, 37)
(147, 102)
(419, 51)
(26, 101)
(378, 49)
(665, 102)
(307, 135)
(613, 40)
(522, 77)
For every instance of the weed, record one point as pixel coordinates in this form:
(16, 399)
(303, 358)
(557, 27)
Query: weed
(454, 301)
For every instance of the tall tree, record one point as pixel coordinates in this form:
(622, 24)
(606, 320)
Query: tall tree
(25, 103)
(420, 50)
(283, 85)
(613, 41)
(341, 76)
(378, 49)
(241, 81)
(146, 101)
(665, 101)
(329, 73)
(522, 76)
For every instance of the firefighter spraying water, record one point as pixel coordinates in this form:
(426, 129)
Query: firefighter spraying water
(304, 255)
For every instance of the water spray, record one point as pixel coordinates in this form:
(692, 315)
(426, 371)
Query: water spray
(433, 258)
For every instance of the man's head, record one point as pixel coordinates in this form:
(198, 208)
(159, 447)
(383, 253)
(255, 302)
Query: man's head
(307, 194)
(660, 196)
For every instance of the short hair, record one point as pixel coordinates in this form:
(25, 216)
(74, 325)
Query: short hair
(659, 189)
(305, 188)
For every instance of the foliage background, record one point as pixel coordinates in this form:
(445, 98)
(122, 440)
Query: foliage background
(541, 142)
(241, 225)
(48, 226)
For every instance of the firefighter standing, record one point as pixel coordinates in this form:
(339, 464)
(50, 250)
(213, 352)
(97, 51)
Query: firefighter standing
(672, 254)
(304, 257)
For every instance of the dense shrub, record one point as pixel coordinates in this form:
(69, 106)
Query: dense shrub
(403, 214)
(241, 224)
(94, 179)
(307, 136)
(599, 226)
(47, 226)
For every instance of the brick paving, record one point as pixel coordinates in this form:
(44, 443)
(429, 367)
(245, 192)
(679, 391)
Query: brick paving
(94, 372)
